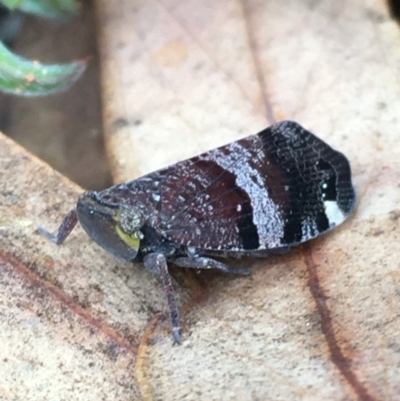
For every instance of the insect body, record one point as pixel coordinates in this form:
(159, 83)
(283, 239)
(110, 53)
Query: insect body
(262, 194)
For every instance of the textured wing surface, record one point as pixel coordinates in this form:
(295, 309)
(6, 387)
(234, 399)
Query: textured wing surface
(274, 189)
(277, 188)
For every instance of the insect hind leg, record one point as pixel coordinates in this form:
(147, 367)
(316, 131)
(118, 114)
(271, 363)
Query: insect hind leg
(207, 263)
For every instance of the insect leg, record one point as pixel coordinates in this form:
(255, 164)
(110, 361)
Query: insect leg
(64, 230)
(208, 263)
(156, 263)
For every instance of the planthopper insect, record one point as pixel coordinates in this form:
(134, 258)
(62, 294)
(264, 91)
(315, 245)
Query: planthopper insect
(262, 194)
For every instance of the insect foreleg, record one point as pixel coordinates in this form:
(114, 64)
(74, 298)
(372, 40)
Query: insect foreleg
(156, 263)
(64, 230)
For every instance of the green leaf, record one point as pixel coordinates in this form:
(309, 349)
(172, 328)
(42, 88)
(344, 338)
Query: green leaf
(56, 9)
(23, 77)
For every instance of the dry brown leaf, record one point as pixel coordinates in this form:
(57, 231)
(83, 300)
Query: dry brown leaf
(182, 77)
(321, 322)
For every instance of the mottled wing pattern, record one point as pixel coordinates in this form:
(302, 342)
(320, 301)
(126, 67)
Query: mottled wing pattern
(278, 188)
(203, 204)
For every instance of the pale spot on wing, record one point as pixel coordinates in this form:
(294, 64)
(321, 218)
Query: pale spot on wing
(334, 214)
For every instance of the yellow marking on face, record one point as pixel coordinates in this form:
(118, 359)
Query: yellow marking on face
(115, 216)
(130, 239)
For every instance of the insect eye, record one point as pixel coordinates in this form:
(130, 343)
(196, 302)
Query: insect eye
(130, 220)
